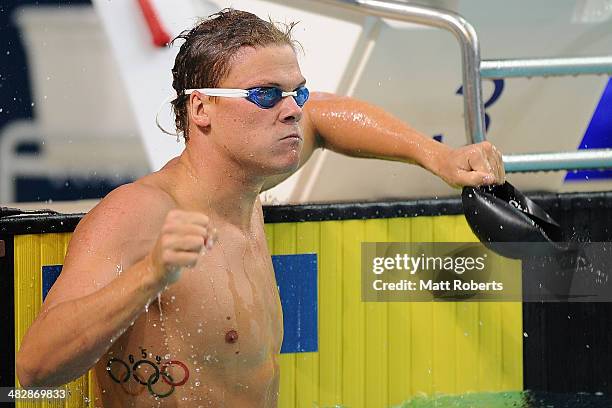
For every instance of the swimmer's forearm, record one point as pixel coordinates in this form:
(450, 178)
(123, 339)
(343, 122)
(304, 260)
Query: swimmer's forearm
(359, 129)
(67, 340)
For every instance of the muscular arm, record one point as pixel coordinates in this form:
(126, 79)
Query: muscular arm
(359, 129)
(69, 338)
(90, 306)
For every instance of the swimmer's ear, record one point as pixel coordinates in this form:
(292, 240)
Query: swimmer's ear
(198, 109)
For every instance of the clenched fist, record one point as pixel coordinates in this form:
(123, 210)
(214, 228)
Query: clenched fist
(473, 165)
(183, 237)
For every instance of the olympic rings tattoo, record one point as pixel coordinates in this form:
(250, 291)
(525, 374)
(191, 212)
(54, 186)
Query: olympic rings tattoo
(157, 394)
(164, 369)
(110, 372)
(123, 378)
(152, 379)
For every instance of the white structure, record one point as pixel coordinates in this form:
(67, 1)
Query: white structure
(412, 71)
(82, 118)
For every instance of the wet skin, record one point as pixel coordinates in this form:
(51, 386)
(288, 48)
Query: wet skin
(220, 319)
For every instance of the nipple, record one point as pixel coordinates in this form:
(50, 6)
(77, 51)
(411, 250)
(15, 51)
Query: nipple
(231, 336)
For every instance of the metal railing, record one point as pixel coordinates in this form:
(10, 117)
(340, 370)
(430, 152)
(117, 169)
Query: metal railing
(473, 69)
(545, 67)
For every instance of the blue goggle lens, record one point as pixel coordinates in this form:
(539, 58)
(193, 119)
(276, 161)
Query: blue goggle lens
(268, 97)
(302, 96)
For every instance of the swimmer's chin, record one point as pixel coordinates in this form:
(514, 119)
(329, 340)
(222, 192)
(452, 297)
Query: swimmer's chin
(290, 166)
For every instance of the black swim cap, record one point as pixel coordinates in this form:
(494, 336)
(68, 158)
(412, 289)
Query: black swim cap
(502, 214)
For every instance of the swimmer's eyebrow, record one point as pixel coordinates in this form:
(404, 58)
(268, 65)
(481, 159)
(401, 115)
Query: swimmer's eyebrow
(264, 84)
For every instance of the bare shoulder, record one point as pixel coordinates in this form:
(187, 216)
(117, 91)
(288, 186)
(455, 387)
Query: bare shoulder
(114, 235)
(316, 105)
(131, 208)
(129, 204)
(318, 109)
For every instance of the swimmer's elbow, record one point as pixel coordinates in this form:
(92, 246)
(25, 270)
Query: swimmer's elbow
(28, 365)
(30, 369)
(25, 372)
(31, 374)
(33, 371)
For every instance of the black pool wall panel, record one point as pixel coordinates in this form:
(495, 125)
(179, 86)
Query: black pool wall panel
(567, 347)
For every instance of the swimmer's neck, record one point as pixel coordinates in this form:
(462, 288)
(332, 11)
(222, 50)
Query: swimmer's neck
(216, 187)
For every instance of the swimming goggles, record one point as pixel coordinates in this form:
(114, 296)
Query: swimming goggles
(265, 97)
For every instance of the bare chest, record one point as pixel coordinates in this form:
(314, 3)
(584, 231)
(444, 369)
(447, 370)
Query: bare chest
(227, 307)
(217, 330)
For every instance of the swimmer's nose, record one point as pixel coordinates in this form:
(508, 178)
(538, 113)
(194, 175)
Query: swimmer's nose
(290, 112)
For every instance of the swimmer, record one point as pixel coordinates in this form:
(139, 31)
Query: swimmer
(167, 288)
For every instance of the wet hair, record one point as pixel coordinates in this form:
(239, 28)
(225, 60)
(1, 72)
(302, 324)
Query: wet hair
(205, 57)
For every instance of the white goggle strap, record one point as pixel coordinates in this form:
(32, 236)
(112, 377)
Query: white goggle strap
(224, 92)
(164, 102)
